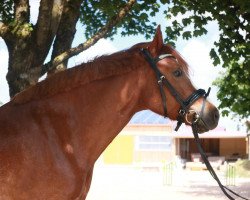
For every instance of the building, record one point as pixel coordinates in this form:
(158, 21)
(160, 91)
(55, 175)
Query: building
(149, 138)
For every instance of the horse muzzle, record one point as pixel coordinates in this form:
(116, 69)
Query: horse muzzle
(205, 120)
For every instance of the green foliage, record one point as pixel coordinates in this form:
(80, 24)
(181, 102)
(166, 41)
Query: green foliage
(6, 10)
(235, 89)
(95, 14)
(232, 50)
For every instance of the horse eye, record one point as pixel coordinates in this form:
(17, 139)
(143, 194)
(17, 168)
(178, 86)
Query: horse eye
(177, 73)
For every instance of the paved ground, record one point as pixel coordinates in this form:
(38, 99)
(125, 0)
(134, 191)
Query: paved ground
(127, 183)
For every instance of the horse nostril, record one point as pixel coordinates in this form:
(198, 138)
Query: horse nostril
(216, 116)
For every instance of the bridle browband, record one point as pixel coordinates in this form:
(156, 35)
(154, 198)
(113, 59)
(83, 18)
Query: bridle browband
(162, 81)
(185, 105)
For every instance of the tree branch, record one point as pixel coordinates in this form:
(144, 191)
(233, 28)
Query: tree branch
(66, 31)
(16, 28)
(22, 10)
(100, 34)
(50, 12)
(3, 29)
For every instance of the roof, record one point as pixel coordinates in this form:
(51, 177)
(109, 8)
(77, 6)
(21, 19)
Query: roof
(219, 132)
(147, 117)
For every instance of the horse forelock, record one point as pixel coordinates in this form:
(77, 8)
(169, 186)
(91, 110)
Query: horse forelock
(183, 64)
(97, 69)
(169, 50)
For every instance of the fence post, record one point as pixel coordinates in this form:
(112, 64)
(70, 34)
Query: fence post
(230, 175)
(168, 173)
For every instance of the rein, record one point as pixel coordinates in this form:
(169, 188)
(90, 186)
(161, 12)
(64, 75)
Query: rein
(224, 189)
(185, 104)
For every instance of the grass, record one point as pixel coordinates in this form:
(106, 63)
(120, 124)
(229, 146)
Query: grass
(243, 168)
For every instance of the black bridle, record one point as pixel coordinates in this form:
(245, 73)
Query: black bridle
(162, 81)
(185, 105)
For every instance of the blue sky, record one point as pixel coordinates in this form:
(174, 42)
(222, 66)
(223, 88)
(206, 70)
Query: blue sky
(195, 51)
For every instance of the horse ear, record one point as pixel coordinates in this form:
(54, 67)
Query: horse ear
(157, 43)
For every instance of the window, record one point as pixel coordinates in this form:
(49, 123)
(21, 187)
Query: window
(153, 143)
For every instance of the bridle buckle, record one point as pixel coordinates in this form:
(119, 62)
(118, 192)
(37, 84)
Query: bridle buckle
(161, 79)
(182, 112)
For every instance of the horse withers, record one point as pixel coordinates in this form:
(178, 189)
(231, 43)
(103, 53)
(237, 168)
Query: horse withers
(52, 133)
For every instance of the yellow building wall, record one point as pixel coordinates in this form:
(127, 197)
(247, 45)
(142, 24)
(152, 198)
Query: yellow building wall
(153, 156)
(120, 151)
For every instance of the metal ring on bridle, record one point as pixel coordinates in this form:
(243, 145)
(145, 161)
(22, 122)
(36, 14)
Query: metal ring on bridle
(195, 116)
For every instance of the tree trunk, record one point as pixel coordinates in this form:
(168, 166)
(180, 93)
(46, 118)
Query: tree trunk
(66, 32)
(20, 62)
(29, 45)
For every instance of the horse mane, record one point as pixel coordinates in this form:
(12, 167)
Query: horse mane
(99, 68)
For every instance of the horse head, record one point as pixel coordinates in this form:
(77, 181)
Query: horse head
(170, 91)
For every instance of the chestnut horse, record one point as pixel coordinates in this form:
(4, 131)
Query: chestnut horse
(52, 133)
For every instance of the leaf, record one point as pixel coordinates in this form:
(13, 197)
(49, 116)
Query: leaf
(215, 57)
(225, 113)
(199, 32)
(186, 21)
(186, 35)
(165, 1)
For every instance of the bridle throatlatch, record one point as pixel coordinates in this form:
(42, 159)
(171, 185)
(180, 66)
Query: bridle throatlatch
(185, 105)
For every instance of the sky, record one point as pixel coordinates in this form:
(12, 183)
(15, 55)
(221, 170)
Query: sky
(195, 51)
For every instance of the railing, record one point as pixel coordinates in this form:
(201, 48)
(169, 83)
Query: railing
(230, 175)
(168, 173)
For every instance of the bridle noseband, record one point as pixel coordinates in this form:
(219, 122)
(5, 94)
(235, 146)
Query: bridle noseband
(162, 81)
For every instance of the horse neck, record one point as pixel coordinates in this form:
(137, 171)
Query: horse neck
(100, 110)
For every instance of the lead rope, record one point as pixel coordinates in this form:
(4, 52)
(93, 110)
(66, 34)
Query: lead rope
(210, 168)
(204, 156)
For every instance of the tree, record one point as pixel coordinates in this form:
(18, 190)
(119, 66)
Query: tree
(28, 44)
(232, 50)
